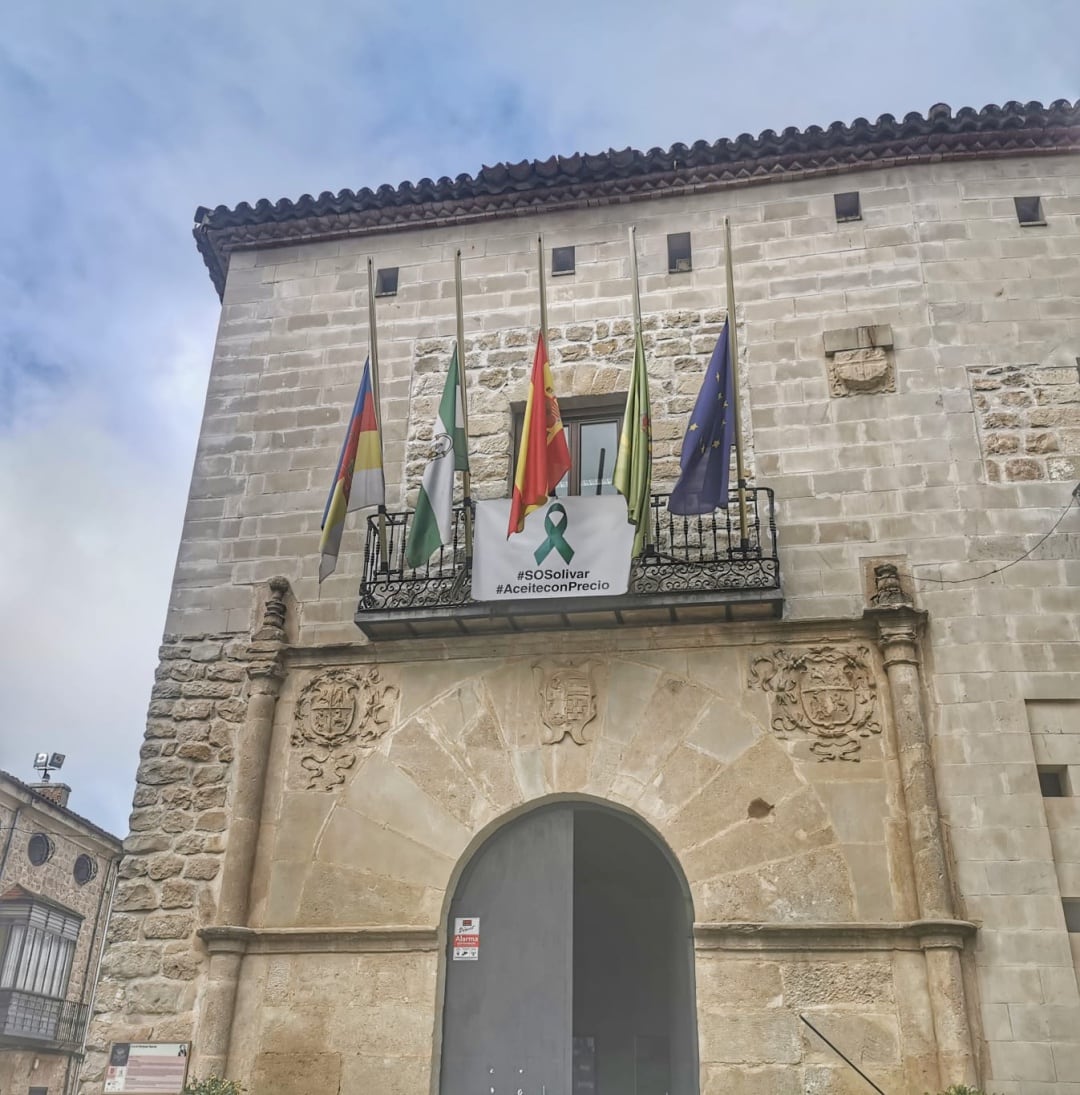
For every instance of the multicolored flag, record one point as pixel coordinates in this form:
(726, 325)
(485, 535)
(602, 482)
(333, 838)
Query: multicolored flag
(433, 522)
(633, 465)
(543, 457)
(358, 481)
(706, 448)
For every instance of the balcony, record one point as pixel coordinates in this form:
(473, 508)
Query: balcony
(27, 1017)
(697, 569)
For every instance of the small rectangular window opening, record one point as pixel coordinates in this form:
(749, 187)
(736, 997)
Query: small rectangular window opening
(386, 282)
(848, 206)
(1029, 210)
(562, 261)
(1053, 781)
(678, 253)
(1071, 906)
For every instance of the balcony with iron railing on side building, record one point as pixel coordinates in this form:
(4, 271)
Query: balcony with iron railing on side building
(694, 570)
(29, 1019)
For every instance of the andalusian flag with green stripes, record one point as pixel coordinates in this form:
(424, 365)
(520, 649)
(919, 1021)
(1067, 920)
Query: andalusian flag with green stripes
(633, 465)
(433, 522)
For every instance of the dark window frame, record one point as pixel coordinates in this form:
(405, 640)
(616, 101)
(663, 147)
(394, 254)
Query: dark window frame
(564, 269)
(847, 206)
(1070, 906)
(576, 411)
(84, 870)
(1029, 211)
(386, 281)
(38, 940)
(678, 253)
(40, 848)
(1053, 780)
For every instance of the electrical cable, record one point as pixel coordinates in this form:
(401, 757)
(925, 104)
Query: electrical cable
(1074, 497)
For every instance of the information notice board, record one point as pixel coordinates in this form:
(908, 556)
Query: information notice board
(147, 1068)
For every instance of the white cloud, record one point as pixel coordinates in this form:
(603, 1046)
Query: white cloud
(91, 532)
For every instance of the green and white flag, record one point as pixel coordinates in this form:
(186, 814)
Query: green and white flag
(433, 522)
(633, 465)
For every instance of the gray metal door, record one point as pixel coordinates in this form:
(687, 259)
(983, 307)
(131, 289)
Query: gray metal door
(507, 1015)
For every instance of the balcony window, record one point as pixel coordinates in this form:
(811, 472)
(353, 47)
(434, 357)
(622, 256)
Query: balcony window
(37, 943)
(592, 428)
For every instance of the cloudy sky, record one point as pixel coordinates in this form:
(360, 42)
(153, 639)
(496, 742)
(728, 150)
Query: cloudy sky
(122, 116)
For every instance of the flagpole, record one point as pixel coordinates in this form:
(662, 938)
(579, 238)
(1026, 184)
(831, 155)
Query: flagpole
(373, 340)
(632, 233)
(634, 277)
(543, 298)
(733, 353)
(466, 476)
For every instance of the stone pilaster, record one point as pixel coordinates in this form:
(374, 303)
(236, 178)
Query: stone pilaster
(898, 626)
(226, 941)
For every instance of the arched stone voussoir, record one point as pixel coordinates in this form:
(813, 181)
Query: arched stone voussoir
(813, 887)
(764, 771)
(417, 748)
(768, 832)
(470, 729)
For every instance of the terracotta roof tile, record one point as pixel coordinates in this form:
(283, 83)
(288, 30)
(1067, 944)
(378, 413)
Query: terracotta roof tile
(563, 182)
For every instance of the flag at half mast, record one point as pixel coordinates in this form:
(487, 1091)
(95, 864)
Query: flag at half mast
(543, 456)
(706, 448)
(433, 522)
(358, 481)
(633, 465)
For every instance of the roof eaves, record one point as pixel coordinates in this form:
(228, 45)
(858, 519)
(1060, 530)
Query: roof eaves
(44, 800)
(566, 182)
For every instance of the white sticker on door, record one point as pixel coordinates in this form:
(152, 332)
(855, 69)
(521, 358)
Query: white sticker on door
(466, 939)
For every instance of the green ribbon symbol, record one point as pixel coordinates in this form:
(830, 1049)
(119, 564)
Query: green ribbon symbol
(555, 538)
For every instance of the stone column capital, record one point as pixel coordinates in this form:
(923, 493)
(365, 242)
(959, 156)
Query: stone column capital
(898, 628)
(266, 673)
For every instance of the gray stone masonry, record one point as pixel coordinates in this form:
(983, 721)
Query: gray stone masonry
(953, 476)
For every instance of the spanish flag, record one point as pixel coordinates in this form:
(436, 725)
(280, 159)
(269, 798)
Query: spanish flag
(360, 467)
(543, 458)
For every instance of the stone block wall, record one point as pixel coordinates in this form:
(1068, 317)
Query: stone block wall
(1029, 420)
(357, 860)
(938, 258)
(602, 353)
(984, 317)
(172, 856)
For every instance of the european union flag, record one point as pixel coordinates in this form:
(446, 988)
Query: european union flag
(706, 448)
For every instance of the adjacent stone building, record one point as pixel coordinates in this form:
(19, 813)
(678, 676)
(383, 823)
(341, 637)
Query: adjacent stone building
(57, 873)
(817, 775)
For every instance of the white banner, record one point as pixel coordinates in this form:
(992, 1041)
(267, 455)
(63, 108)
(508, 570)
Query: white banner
(572, 547)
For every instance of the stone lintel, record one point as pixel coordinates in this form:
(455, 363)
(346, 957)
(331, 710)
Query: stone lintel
(584, 641)
(876, 336)
(909, 935)
(363, 940)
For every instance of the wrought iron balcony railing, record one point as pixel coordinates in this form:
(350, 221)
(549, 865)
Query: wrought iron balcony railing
(694, 568)
(31, 1017)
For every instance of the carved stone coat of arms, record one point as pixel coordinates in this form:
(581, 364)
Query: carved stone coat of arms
(337, 713)
(825, 691)
(567, 700)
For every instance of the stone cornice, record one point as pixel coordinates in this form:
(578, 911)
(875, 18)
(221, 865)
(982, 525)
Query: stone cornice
(909, 935)
(581, 181)
(615, 640)
(358, 940)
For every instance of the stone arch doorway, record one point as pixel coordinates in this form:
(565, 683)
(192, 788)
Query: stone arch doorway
(582, 981)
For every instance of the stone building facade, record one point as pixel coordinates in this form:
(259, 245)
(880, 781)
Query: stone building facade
(57, 874)
(858, 789)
